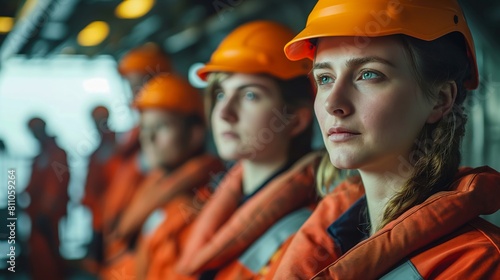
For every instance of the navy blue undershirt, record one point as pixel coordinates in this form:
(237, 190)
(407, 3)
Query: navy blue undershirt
(245, 198)
(352, 227)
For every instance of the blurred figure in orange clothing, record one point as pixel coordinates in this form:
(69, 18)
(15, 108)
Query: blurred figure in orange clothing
(172, 139)
(137, 66)
(48, 190)
(101, 168)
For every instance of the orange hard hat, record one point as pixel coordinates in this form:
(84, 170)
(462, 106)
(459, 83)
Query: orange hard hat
(170, 92)
(256, 48)
(424, 19)
(146, 60)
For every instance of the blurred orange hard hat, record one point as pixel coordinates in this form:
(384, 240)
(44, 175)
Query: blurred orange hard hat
(256, 48)
(170, 92)
(424, 19)
(145, 60)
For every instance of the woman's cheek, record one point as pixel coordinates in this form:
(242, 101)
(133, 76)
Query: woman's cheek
(319, 110)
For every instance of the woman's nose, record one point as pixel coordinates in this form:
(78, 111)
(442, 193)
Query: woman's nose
(338, 102)
(228, 110)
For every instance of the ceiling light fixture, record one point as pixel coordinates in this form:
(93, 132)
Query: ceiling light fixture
(6, 24)
(130, 9)
(93, 34)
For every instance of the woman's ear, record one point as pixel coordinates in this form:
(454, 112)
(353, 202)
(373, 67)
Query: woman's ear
(444, 102)
(302, 119)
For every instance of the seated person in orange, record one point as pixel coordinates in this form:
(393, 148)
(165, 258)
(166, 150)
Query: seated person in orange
(172, 139)
(137, 66)
(261, 117)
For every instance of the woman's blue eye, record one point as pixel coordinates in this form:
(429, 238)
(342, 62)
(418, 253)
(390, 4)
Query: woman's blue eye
(250, 95)
(219, 96)
(369, 75)
(323, 80)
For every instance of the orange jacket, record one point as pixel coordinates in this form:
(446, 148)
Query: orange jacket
(241, 241)
(102, 167)
(157, 255)
(174, 192)
(120, 191)
(441, 238)
(156, 190)
(187, 178)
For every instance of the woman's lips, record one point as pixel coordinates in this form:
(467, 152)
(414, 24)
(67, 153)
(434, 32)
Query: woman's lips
(341, 134)
(230, 135)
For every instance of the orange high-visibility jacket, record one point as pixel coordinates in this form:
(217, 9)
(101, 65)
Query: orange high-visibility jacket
(102, 166)
(187, 178)
(157, 255)
(121, 190)
(173, 192)
(240, 241)
(441, 238)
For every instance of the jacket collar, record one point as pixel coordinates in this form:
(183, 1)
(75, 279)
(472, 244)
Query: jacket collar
(223, 230)
(474, 192)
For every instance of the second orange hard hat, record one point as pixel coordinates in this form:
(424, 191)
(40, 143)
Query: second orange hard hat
(256, 48)
(145, 60)
(424, 19)
(170, 92)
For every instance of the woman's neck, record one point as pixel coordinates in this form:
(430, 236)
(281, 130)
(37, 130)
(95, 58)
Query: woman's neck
(379, 188)
(256, 173)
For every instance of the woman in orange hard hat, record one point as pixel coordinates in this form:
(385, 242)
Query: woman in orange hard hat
(138, 66)
(392, 77)
(260, 106)
(172, 139)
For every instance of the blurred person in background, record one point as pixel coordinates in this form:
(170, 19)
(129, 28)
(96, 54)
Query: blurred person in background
(137, 66)
(172, 140)
(48, 192)
(102, 166)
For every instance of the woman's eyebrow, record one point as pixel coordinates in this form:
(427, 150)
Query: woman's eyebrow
(322, 65)
(358, 61)
(354, 62)
(263, 87)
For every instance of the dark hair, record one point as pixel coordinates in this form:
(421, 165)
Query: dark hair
(297, 93)
(436, 153)
(188, 123)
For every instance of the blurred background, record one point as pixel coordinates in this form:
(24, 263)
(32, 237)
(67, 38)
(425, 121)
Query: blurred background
(58, 61)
